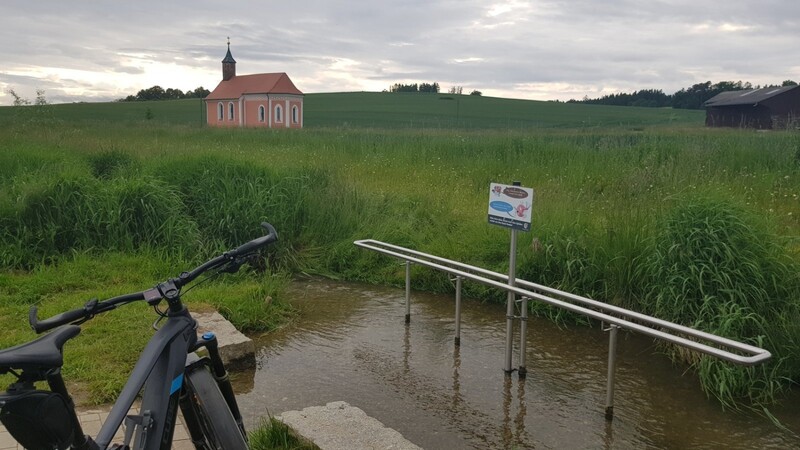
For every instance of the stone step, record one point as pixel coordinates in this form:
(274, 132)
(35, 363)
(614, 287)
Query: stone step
(339, 426)
(235, 348)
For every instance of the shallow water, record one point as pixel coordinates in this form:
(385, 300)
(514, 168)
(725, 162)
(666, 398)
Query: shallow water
(351, 344)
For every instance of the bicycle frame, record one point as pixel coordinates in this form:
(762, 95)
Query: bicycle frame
(160, 370)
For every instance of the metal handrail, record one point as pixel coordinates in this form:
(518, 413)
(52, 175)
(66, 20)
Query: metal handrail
(753, 355)
(648, 325)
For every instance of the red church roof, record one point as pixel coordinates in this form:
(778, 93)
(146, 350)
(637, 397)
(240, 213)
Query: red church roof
(260, 83)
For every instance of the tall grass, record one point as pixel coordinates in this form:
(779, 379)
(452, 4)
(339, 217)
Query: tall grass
(714, 267)
(619, 215)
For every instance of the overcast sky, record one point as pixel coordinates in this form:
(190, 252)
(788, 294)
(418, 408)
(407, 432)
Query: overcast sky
(539, 49)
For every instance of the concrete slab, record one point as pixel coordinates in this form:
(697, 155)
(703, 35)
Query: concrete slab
(339, 426)
(234, 347)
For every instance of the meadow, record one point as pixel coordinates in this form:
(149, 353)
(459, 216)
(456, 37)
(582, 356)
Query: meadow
(642, 208)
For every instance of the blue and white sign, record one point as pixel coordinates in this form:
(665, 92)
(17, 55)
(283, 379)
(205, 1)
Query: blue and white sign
(510, 206)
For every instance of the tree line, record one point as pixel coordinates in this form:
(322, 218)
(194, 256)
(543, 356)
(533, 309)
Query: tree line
(432, 88)
(687, 98)
(159, 93)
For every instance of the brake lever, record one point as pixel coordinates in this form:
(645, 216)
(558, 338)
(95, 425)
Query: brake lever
(234, 265)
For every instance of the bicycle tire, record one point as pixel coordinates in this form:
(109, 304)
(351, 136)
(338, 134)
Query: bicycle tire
(220, 430)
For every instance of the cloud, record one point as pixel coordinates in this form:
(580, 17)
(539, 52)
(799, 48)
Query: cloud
(541, 49)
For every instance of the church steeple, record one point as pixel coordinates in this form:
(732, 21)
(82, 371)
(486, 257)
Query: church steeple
(228, 64)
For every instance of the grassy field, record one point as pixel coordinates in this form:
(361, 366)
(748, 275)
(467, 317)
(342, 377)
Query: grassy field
(641, 208)
(396, 110)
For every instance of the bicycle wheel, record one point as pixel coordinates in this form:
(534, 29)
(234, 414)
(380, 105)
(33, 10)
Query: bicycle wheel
(220, 430)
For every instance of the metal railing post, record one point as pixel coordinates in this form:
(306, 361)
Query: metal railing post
(408, 291)
(612, 365)
(458, 311)
(512, 272)
(523, 337)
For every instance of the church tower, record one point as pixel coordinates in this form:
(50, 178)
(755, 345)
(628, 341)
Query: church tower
(228, 64)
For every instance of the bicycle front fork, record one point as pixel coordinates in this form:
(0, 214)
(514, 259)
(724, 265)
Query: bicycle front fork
(209, 342)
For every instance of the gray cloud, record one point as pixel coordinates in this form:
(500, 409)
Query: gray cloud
(564, 48)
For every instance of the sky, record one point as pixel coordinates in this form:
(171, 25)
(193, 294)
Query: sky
(91, 51)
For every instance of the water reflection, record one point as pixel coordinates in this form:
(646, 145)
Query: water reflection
(351, 344)
(457, 399)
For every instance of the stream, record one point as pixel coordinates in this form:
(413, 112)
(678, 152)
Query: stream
(350, 343)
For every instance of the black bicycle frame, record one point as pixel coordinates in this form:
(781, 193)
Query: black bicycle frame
(160, 370)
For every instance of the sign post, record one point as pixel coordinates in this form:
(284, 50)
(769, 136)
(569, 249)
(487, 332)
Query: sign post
(510, 207)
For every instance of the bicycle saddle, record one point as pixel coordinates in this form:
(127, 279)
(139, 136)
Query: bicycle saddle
(41, 353)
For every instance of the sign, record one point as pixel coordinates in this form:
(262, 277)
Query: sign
(510, 206)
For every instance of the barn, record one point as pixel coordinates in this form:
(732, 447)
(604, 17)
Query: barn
(268, 100)
(764, 109)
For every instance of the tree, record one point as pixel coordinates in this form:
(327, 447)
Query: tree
(789, 83)
(18, 100)
(430, 88)
(26, 112)
(199, 92)
(456, 90)
(476, 92)
(398, 87)
(173, 94)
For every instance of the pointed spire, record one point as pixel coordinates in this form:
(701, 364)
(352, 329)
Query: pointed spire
(228, 64)
(228, 56)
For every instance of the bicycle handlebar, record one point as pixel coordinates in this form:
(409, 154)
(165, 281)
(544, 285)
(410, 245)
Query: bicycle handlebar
(154, 295)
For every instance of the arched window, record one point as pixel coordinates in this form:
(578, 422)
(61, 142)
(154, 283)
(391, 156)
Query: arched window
(261, 113)
(230, 111)
(294, 114)
(278, 112)
(220, 111)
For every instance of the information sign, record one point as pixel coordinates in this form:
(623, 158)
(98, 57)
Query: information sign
(510, 206)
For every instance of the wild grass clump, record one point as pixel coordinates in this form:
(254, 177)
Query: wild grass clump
(228, 198)
(109, 164)
(716, 267)
(55, 216)
(272, 434)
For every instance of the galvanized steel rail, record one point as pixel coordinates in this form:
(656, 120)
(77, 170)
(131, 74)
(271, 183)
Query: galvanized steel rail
(616, 317)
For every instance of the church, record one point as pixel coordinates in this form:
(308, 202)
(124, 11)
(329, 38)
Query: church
(268, 100)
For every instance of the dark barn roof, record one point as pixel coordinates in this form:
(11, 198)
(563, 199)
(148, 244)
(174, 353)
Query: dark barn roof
(748, 97)
(765, 108)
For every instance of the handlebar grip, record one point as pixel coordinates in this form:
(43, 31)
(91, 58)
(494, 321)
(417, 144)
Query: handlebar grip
(257, 243)
(55, 321)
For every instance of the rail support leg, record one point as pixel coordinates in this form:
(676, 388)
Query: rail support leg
(612, 364)
(408, 292)
(458, 311)
(523, 337)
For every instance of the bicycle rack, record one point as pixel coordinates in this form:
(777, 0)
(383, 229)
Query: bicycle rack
(616, 317)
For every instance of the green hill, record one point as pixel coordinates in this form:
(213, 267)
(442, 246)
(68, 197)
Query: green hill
(390, 110)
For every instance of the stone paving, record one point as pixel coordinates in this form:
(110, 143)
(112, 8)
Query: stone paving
(92, 419)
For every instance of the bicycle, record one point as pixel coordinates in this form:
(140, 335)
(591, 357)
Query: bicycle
(169, 369)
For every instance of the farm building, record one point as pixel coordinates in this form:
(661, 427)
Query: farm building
(268, 100)
(766, 108)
